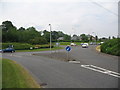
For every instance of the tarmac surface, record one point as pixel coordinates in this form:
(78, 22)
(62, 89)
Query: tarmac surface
(53, 70)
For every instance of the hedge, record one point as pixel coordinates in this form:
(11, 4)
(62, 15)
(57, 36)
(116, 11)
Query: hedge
(111, 47)
(17, 46)
(24, 46)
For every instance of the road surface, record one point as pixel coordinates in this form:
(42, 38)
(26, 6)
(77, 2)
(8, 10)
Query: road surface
(95, 70)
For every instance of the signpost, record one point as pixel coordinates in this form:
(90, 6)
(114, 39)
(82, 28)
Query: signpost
(68, 48)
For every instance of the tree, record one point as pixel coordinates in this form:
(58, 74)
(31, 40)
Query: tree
(54, 35)
(21, 29)
(96, 38)
(113, 37)
(46, 35)
(91, 38)
(67, 37)
(9, 32)
(38, 40)
(84, 37)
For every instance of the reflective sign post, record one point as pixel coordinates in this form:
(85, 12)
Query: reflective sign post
(68, 48)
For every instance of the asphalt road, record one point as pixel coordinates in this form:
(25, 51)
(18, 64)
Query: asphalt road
(60, 74)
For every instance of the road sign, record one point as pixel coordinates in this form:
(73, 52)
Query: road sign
(68, 48)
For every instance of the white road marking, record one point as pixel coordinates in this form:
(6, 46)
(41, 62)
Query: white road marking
(101, 70)
(19, 55)
(12, 55)
(77, 62)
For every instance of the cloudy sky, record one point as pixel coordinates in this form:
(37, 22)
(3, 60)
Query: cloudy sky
(98, 17)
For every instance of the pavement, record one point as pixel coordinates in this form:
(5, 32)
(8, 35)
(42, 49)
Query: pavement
(94, 70)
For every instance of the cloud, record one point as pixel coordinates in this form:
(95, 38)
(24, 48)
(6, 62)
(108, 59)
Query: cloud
(71, 17)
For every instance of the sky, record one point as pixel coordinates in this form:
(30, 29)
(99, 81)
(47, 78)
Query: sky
(95, 17)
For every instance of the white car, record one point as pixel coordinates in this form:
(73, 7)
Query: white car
(85, 45)
(101, 42)
(73, 44)
(0, 50)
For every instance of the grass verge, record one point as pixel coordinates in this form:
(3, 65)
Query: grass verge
(0, 73)
(15, 76)
(68, 43)
(42, 49)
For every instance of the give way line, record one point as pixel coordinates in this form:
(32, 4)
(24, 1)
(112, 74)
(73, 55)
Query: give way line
(101, 70)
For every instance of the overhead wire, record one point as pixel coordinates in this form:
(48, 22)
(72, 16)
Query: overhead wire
(103, 7)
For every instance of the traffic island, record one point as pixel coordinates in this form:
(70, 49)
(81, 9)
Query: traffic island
(57, 55)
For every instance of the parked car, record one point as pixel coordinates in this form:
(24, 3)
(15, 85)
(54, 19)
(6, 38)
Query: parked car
(94, 43)
(101, 42)
(8, 50)
(85, 45)
(73, 44)
(0, 50)
(81, 44)
(91, 43)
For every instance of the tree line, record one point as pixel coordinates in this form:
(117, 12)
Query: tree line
(10, 33)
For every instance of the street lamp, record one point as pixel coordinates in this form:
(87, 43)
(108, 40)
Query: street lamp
(95, 36)
(50, 37)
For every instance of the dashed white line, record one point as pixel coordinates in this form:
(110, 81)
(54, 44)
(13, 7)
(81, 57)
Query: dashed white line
(101, 70)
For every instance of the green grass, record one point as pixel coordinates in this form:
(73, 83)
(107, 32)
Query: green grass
(15, 76)
(42, 49)
(68, 43)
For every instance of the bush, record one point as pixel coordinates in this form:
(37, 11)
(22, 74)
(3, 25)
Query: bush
(111, 47)
(24, 46)
(17, 46)
(42, 46)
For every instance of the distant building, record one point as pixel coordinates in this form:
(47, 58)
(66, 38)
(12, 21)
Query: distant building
(60, 38)
(74, 37)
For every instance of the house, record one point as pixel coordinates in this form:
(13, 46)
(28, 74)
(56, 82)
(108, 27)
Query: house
(60, 38)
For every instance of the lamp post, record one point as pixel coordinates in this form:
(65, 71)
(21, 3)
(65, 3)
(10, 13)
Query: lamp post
(95, 37)
(50, 37)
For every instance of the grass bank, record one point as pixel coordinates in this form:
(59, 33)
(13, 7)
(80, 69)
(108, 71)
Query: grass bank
(15, 76)
(0, 73)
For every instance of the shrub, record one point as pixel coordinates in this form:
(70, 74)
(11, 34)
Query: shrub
(42, 46)
(17, 46)
(111, 47)
(25, 46)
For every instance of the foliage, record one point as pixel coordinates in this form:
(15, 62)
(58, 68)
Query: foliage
(11, 34)
(17, 46)
(32, 36)
(84, 38)
(24, 46)
(38, 40)
(111, 47)
(43, 46)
